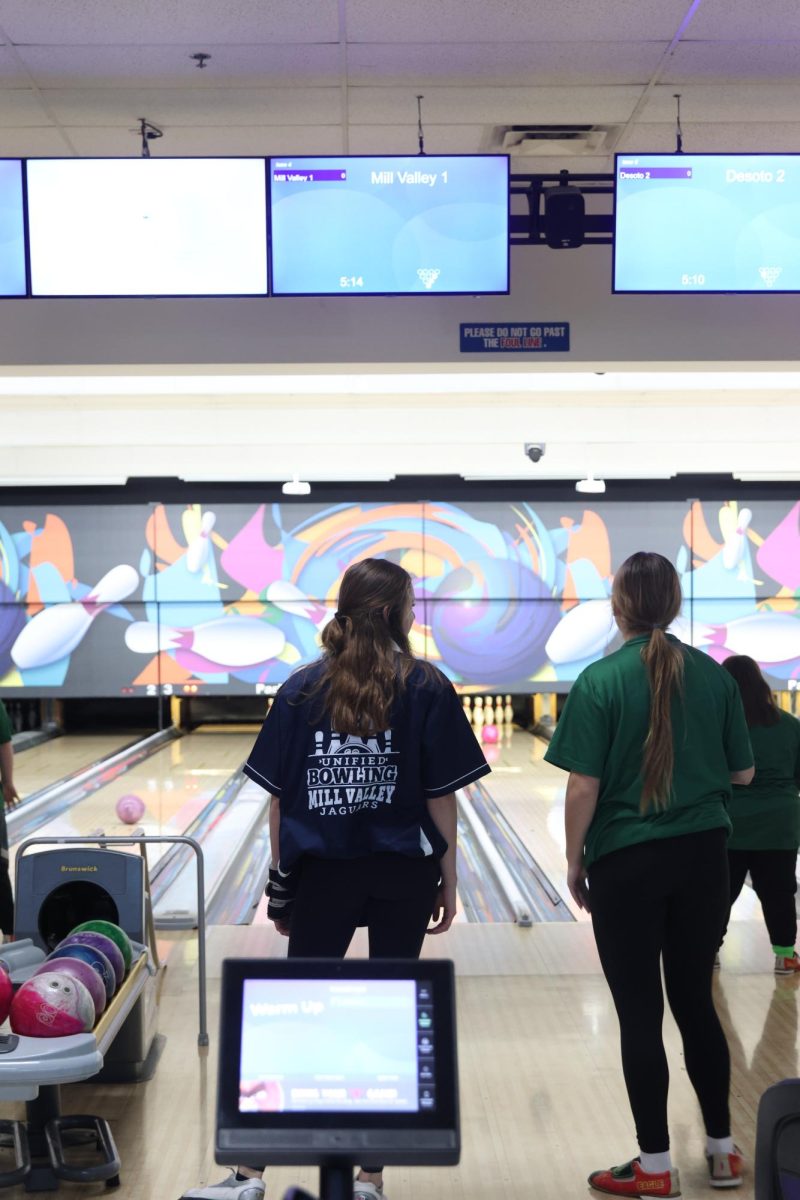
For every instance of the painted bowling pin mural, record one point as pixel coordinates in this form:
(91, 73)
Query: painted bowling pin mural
(509, 595)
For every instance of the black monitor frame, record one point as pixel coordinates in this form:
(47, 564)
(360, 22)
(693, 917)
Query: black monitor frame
(326, 1138)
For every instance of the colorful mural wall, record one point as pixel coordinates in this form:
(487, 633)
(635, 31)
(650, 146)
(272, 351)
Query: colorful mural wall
(136, 600)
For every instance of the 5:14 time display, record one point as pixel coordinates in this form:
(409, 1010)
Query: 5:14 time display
(351, 281)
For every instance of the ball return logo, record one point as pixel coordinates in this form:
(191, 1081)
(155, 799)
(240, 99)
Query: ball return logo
(351, 773)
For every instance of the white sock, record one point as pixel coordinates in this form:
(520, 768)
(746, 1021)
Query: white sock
(655, 1164)
(719, 1145)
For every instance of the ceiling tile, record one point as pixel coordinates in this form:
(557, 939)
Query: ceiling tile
(742, 101)
(739, 137)
(513, 105)
(402, 139)
(514, 20)
(741, 20)
(172, 66)
(183, 22)
(201, 140)
(33, 143)
(21, 106)
(524, 62)
(178, 106)
(771, 62)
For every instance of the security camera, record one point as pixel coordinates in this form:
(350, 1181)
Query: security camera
(535, 451)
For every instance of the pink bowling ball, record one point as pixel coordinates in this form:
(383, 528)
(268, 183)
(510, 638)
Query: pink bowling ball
(489, 734)
(130, 809)
(6, 994)
(79, 970)
(52, 1005)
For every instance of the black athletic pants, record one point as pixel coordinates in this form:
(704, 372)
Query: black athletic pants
(389, 893)
(774, 878)
(6, 900)
(665, 899)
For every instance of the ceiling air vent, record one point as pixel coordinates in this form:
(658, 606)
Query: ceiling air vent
(548, 141)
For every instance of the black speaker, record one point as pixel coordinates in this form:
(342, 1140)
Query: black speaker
(564, 213)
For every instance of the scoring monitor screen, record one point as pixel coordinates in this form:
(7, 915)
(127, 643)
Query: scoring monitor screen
(337, 1046)
(707, 223)
(147, 227)
(389, 225)
(12, 229)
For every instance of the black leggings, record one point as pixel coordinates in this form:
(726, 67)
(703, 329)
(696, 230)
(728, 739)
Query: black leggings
(773, 874)
(6, 900)
(391, 894)
(665, 898)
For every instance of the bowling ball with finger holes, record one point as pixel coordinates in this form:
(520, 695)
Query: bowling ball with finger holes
(6, 994)
(130, 809)
(95, 959)
(82, 971)
(52, 1005)
(115, 932)
(98, 941)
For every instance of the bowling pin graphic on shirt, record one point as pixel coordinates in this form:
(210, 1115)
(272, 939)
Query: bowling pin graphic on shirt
(55, 632)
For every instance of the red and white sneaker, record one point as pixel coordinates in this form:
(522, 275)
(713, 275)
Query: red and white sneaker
(726, 1170)
(787, 966)
(631, 1180)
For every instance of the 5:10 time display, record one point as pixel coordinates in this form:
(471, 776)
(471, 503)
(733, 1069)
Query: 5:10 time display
(694, 279)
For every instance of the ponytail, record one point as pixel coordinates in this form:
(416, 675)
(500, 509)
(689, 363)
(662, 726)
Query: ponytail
(646, 599)
(664, 662)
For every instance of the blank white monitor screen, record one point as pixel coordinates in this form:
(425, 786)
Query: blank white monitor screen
(390, 225)
(147, 227)
(12, 229)
(707, 223)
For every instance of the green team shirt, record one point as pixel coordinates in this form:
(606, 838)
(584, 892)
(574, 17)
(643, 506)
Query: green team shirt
(766, 815)
(6, 732)
(602, 731)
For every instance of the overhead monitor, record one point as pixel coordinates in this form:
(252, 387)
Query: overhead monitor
(325, 1060)
(12, 229)
(147, 227)
(707, 223)
(390, 225)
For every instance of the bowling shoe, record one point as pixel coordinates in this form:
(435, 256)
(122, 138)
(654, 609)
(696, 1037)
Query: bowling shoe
(725, 1170)
(367, 1191)
(229, 1189)
(631, 1180)
(787, 966)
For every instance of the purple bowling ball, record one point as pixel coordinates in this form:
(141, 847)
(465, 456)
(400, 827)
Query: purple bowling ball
(82, 971)
(99, 941)
(96, 960)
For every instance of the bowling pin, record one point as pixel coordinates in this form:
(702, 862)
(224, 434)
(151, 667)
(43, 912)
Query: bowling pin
(488, 712)
(200, 546)
(768, 637)
(478, 719)
(467, 705)
(583, 632)
(291, 599)
(735, 537)
(226, 642)
(508, 712)
(56, 631)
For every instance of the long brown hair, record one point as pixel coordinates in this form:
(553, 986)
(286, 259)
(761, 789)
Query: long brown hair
(759, 706)
(646, 598)
(367, 656)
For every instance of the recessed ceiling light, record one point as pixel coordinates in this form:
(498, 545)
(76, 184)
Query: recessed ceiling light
(590, 484)
(296, 487)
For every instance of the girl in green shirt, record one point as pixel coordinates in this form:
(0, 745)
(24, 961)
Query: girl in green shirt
(652, 737)
(766, 815)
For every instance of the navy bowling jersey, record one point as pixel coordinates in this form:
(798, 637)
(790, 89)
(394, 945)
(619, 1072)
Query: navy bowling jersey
(343, 796)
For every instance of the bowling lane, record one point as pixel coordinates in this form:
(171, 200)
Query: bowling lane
(175, 784)
(531, 794)
(48, 762)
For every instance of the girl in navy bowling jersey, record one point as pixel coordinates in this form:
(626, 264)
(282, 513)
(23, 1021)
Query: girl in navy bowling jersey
(361, 752)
